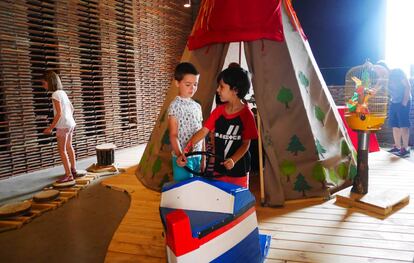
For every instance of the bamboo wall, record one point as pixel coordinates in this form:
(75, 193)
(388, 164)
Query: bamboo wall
(115, 58)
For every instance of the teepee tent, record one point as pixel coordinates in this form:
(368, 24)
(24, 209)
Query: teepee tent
(306, 148)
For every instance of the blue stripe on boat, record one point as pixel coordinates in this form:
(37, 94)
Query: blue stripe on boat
(246, 251)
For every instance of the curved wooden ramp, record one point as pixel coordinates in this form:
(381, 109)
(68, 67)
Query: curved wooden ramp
(139, 236)
(308, 231)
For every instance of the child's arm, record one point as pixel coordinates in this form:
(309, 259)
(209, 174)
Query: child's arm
(173, 129)
(56, 104)
(198, 136)
(241, 151)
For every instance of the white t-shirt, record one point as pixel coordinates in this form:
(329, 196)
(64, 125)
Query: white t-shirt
(66, 119)
(189, 117)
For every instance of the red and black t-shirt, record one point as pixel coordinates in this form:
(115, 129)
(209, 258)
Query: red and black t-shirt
(229, 132)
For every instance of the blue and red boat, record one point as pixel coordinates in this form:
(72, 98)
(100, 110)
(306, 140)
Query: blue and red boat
(211, 221)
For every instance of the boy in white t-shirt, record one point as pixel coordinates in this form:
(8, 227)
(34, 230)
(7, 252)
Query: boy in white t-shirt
(184, 119)
(64, 123)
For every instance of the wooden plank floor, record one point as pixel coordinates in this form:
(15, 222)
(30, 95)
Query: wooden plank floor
(309, 231)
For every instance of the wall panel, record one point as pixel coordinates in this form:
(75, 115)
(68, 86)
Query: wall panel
(115, 59)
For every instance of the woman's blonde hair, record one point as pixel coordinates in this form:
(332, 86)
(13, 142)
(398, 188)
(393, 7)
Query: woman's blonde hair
(53, 80)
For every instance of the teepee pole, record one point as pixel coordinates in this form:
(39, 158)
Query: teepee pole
(259, 144)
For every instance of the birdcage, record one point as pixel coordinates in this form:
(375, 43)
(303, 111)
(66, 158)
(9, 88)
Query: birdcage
(366, 97)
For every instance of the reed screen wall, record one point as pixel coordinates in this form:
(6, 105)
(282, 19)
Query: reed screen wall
(115, 58)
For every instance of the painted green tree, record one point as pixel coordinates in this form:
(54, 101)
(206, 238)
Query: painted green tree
(333, 177)
(285, 96)
(287, 168)
(319, 148)
(342, 170)
(320, 115)
(166, 137)
(318, 173)
(303, 80)
(345, 151)
(156, 167)
(295, 145)
(352, 172)
(301, 185)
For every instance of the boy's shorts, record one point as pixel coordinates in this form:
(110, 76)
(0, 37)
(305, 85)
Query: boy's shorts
(180, 174)
(399, 115)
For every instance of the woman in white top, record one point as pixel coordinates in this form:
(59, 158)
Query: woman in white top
(64, 123)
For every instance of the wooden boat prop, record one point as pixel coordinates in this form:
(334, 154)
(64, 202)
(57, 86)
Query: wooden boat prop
(211, 221)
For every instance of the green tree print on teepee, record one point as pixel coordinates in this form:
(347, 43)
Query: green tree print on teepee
(352, 172)
(156, 167)
(287, 168)
(333, 177)
(143, 161)
(301, 185)
(342, 170)
(303, 80)
(319, 148)
(320, 115)
(285, 96)
(318, 173)
(345, 151)
(166, 137)
(295, 145)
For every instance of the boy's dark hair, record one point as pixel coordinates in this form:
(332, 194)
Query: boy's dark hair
(183, 69)
(237, 78)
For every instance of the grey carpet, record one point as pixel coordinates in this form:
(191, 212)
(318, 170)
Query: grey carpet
(78, 231)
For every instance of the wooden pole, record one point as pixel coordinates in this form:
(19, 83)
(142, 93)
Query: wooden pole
(259, 143)
(360, 185)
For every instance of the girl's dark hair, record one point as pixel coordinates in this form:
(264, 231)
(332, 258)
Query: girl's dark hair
(53, 80)
(183, 69)
(237, 78)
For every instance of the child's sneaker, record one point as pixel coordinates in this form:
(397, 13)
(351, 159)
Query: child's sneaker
(403, 153)
(394, 150)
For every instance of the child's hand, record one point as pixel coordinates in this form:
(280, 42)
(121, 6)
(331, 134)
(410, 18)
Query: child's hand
(47, 131)
(188, 147)
(228, 163)
(181, 160)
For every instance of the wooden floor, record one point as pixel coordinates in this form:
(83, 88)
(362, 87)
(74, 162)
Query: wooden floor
(301, 232)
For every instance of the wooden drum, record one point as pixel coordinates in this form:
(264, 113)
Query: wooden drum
(105, 154)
